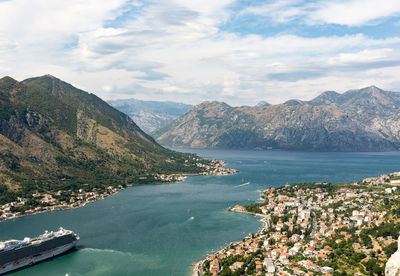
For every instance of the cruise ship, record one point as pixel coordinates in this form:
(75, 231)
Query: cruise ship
(15, 254)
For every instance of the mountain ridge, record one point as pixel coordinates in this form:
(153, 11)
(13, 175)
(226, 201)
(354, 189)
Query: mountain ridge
(56, 137)
(357, 120)
(150, 115)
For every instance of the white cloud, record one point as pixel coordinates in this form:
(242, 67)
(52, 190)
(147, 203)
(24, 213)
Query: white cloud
(42, 28)
(107, 88)
(354, 12)
(341, 12)
(175, 50)
(6, 44)
(279, 11)
(365, 56)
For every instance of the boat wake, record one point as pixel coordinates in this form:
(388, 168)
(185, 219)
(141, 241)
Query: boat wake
(106, 260)
(107, 251)
(241, 185)
(189, 220)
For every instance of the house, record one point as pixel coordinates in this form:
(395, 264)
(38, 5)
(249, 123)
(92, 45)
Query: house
(235, 266)
(264, 209)
(313, 243)
(279, 226)
(284, 258)
(395, 182)
(275, 253)
(214, 266)
(297, 270)
(388, 190)
(238, 208)
(326, 269)
(269, 265)
(309, 251)
(294, 250)
(321, 256)
(259, 266)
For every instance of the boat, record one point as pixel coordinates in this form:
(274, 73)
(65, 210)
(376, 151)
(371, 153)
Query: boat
(16, 254)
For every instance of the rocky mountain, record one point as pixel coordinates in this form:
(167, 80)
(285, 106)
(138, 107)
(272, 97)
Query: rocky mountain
(262, 103)
(358, 120)
(150, 115)
(54, 136)
(393, 264)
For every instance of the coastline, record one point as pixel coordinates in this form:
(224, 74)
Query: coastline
(216, 169)
(49, 209)
(196, 267)
(308, 242)
(196, 271)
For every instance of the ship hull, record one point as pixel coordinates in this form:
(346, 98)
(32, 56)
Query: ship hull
(31, 260)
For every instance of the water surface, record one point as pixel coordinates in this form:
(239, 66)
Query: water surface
(163, 229)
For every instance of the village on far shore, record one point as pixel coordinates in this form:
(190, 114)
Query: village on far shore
(316, 229)
(63, 200)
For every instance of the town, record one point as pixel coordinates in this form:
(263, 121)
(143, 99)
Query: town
(40, 203)
(316, 229)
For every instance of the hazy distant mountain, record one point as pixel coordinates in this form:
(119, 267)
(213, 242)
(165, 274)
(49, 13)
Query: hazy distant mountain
(262, 103)
(150, 115)
(358, 120)
(54, 136)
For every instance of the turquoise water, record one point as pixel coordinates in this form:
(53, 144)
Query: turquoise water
(163, 229)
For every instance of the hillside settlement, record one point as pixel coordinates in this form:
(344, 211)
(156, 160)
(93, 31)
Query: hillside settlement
(316, 229)
(40, 202)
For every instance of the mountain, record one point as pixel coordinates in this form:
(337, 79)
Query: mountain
(326, 98)
(358, 120)
(150, 115)
(55, 137)
(262, 103)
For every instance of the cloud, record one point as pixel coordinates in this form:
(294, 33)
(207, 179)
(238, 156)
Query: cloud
(279, 11)
(296, 75)
(354, 12)
(42, 28)
(361, 61)
(178, 50)
(6, 44)
(340, 12)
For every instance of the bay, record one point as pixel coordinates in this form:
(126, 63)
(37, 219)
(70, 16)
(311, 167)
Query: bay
(164, 229)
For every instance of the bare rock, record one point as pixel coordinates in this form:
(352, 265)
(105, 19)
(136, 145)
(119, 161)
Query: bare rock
(393, 264)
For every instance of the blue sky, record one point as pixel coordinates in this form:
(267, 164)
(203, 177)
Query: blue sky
(236, 51)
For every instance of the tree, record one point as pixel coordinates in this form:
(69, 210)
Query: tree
(226, 271)
(373, 267)
(390, 249)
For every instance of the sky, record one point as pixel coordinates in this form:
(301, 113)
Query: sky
(237, 51)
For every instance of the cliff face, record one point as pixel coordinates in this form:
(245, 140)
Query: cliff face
(393, 264)
(361, 120)
(54, 136)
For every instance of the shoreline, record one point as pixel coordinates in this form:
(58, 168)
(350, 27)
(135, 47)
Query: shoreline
(196, 267)
(278, 259)
(56, 208)
(217, 170)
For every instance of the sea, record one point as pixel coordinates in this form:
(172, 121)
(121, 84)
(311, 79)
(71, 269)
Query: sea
(163, 229)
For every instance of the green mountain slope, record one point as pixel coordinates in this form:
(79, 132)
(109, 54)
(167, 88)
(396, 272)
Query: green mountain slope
(54, 136)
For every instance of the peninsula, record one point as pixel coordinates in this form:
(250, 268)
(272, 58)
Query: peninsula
(41, 202)
(316, 229)
(62, 147)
